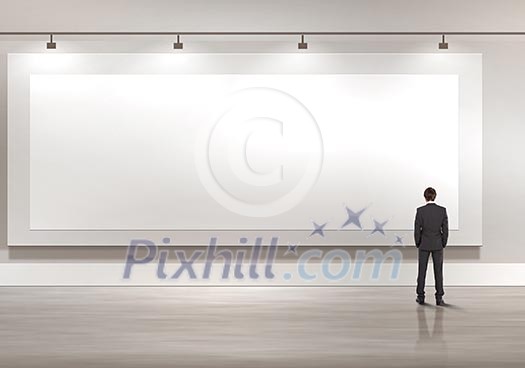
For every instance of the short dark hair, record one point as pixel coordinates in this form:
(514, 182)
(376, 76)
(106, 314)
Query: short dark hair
(430, 194)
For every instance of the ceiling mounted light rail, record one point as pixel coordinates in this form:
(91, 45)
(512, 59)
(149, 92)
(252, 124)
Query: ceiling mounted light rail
(443, 45)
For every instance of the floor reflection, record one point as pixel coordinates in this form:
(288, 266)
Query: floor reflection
(431, 343)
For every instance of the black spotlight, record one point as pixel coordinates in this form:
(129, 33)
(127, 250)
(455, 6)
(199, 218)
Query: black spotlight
(51, 45)
(302, 45)
(443, 45)
(178, 45)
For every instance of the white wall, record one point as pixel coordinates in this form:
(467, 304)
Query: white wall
(503, 72)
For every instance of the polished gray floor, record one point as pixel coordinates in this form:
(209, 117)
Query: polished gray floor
(260, 327)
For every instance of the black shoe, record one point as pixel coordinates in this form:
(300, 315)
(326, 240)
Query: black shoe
(440, 302)
(420, 300)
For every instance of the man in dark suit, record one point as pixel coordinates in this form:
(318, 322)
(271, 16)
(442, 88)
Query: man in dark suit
(430, 235)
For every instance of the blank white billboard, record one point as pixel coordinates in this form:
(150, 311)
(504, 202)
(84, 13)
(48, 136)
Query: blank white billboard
(106, 148)
(239, 151)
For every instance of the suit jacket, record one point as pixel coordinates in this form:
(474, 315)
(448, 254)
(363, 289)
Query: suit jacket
(431, 227)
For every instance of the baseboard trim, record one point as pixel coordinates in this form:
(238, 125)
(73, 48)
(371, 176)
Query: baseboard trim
(112, 274)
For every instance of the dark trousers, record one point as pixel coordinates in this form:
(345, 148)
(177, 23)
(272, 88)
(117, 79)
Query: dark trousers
(437, 260)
